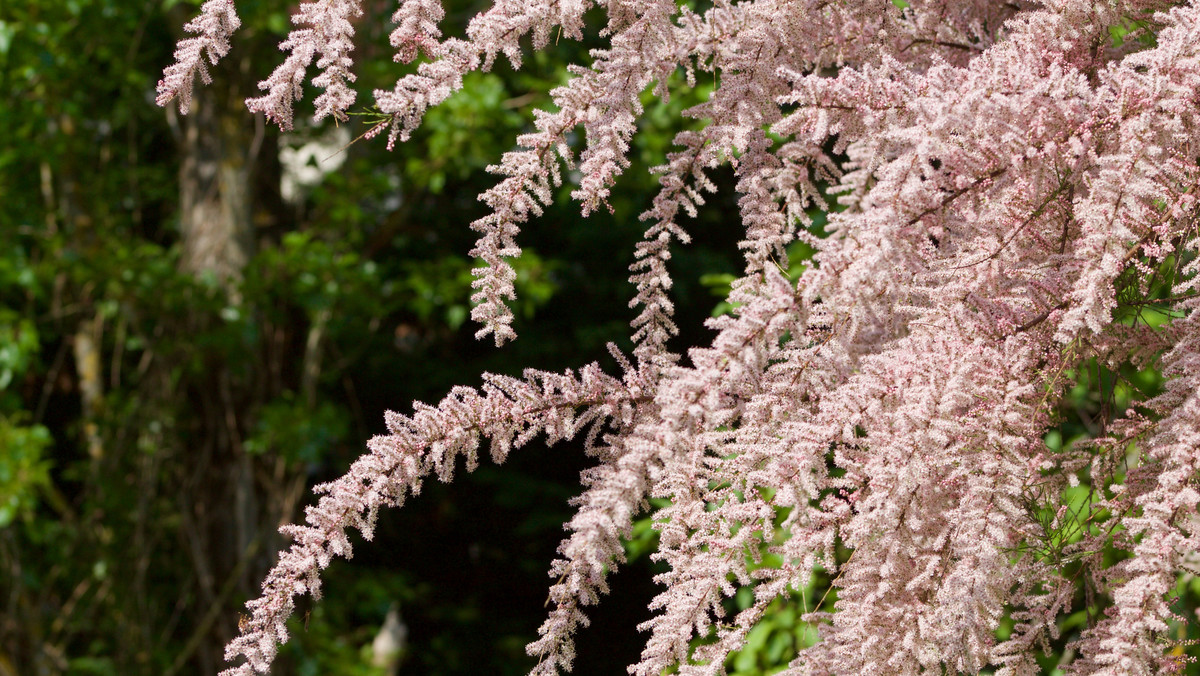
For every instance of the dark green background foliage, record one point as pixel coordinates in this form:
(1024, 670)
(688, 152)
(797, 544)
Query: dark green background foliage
(159, 420)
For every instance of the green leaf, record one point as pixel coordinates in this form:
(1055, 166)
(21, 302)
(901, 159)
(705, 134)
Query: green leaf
(23, 470)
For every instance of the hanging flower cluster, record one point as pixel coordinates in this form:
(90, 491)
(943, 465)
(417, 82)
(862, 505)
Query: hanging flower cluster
(1016, 195)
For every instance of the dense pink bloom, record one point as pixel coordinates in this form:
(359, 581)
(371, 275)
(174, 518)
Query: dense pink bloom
(217, 22)
(322, 28)
(1012, 187)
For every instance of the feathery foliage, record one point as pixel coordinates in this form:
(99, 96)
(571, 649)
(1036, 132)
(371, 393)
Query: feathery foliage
(1015, 199)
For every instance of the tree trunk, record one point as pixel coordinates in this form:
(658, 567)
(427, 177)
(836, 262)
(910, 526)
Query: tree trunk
(219, 145)
(219, 148)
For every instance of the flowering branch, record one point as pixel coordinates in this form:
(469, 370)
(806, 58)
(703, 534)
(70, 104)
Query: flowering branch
(217, 22)
(1011, 195)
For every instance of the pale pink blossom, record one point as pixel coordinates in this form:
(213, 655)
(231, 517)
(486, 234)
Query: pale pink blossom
(1012, 192)
(214, 26)
(323, 28)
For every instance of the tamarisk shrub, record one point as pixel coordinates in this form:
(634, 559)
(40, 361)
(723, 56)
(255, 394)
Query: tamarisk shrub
(1018, 198)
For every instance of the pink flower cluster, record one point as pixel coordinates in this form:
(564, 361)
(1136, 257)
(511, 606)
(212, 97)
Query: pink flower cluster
(1013, 188)
(217, 22)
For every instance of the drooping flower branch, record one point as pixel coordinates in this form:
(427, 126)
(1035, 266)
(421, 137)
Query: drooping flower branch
(1014, 192)
(217, 22)
(323, 28)
(507, 413)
